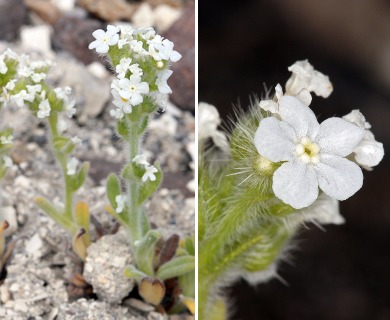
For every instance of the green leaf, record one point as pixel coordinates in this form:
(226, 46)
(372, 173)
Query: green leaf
(132, 272)
(113, 189)
(79, 178)
(52, 212)
(176, 267)
(145, 249)
(149, 187)
(190, 246)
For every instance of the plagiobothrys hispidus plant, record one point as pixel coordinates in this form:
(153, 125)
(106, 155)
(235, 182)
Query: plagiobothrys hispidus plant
(24, 85)
(276, 170)
(141, 60)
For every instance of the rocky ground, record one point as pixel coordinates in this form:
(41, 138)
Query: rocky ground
(37, 281)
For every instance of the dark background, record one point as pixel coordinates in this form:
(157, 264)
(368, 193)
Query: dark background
(343, 273)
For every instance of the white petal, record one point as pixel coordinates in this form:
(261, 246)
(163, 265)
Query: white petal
(274, 140)
(164, 88)
(338, 177)
(175, 56)
(369, 152)
(295, 184)
(305, 96)
(125, 94)
(143, 87)
(93, 45)
(113, 40)
(136, 98)
(339, 137)
(300, 117)
(98, 34)
(356, 117)
(102, 48)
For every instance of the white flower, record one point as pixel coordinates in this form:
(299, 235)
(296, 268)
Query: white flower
(149, 173)
(209, 120)
(71, 166)
(369, 152)
(10, 85)
(122, 67)
(120, 202)
(34, 89)
(126, 30)
(62, 125)
(122, 43)
(136, 70)
(70, 109)
(161, 81)
(115, 84)
(24, 71)
(121, 103)
(273, 104)
(104, 39)
(305, 77)
(6, 140)
(22, 96)
(76, 140)
(325, 210)
(313, 154)
(63, 93)
(137, 46)
(140, 160)
(7, 161)
(38, 77)
(117, 113)
(166, 52)
(3, 66)
(44, 109)
(132, 89)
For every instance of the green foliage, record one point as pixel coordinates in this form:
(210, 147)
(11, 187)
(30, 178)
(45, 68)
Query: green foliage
(113, 189)
(176, 267)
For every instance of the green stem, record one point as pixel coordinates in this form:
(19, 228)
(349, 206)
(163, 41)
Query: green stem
(135, 221)
(61, 158)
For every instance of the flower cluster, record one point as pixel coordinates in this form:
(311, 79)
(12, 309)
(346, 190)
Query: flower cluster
(313, 156)
(142, 65)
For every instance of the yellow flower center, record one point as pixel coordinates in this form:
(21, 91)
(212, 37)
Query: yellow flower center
(132, 88)
(307, 151)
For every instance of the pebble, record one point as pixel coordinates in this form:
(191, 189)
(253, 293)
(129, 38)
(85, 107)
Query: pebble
(182, 82)
(143, 17)
(34, 245)
(164, 17)
(104, 268)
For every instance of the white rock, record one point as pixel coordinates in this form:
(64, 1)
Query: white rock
(104, 268)
(22, 182)
(165, 125)
(37, 38)
(91, 92)
(64, 5)
(165, 16)
(9, 214)
(4, 293)
(143, 17)
(34, 245)
(98, 70)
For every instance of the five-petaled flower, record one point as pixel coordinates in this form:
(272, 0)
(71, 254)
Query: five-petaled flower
(313, 154)
(132, 89)
(104, 39)
(149, 173)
